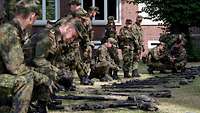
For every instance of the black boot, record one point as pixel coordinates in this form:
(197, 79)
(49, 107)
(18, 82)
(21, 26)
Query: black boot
(135, 73)
(150, 70)
(126, 74)
(42, 107)
(86, 81)
(115, 76)
(106, 78)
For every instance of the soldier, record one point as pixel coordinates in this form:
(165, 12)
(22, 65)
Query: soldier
(81, 43)
(104, 62)
(178, 55)
(157, 58)
(127, 43)
(17, 79)
(91, 14)
(45, 48)
(138, 34)
(110, 31)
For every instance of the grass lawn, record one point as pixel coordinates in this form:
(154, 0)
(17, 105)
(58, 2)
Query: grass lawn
(185, 99)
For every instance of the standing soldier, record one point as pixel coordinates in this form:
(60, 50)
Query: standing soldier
(91, 14)
(128, 45)
(138, 34)
(110, 31)
(17, 79)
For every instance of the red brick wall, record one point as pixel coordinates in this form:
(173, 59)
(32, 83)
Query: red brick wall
(151, 33)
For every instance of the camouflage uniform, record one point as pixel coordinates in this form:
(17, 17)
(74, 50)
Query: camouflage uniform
(79, 45)
(110, 30)
(178, 56)
(138, 34)
(170, 39)
(156, 58)
(17, 77)
(128, 44)
(112, 33)
(104, 62)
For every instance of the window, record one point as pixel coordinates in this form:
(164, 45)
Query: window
(49, 10)
(106, 8)
(143, 14)
(153, 43)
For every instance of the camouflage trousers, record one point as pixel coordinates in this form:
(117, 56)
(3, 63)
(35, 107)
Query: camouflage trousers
(99, 70)
(17, 90)
(127, 59)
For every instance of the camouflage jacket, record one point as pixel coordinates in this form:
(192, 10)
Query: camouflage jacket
(179, 54)
(38, 48)
(103, 55)
(157, 54)
(11, 52)
(127, 39)
(138, 34)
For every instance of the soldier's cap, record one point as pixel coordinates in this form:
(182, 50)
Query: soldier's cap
(27, 6)
(162, 43)
(139, 17)
(111, 18)
(112, 41)
(94, 8)
(74, 2)
(80, 13)
(129, 21)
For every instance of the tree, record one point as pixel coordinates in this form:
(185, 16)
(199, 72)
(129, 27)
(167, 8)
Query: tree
(178, 14)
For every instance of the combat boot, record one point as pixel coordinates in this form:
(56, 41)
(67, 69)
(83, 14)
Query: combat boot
(135, 73)
(126, 74)
(42, 107)
(115, 76)
(106, 78)
(150, 70)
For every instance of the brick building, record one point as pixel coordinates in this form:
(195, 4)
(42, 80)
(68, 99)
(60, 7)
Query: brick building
(55, 9)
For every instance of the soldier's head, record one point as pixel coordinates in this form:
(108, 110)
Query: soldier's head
(179, 42)
(111, 42)
(139, 19)
(82, 15)
(111, 20)
(93, 11)
(74, 5)
(162, 46)
(128, 22)
(26, 12)
(70, 30)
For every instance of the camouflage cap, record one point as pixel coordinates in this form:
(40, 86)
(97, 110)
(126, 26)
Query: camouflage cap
(111, 18)
(76, 2)
(129, 21)
(112, 41)
(139, 17)
(80, 13)
(94, 8)
(27, 6)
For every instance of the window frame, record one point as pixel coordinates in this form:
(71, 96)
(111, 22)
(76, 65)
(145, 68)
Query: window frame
(43, 21)
(118, 21)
